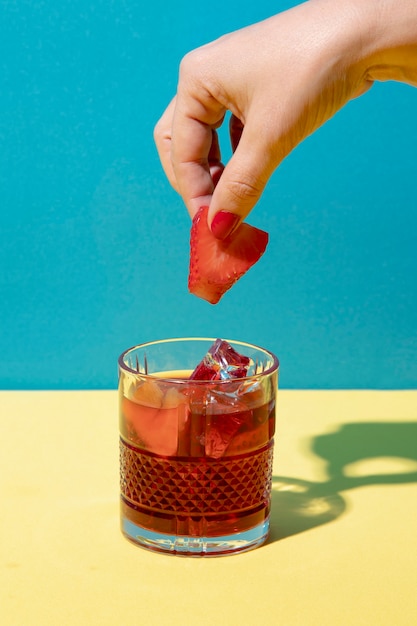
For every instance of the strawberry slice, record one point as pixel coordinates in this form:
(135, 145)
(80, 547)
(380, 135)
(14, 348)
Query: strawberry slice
(154, 416)
(215, 265)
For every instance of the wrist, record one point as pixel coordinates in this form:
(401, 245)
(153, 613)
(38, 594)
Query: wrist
(389, 35)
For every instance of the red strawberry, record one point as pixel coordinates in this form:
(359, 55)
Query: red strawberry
(215, 265)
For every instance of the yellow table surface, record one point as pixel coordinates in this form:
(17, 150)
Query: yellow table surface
(343, 546)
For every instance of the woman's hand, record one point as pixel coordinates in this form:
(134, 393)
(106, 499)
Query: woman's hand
(281, 79)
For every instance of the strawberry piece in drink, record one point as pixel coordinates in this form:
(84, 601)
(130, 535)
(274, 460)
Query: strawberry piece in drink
(154, 417)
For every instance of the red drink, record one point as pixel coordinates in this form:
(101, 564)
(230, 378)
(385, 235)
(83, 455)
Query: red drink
(196, 462)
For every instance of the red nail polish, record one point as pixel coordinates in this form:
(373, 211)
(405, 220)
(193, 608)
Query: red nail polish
(223, 224)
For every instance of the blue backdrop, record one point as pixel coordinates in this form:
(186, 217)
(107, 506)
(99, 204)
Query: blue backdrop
(94, 242)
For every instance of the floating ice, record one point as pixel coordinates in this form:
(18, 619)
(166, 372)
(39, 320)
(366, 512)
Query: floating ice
(221, 362)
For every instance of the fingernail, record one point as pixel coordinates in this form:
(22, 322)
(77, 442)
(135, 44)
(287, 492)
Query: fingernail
(223, 224)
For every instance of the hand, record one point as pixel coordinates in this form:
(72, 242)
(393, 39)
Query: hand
(281, 79)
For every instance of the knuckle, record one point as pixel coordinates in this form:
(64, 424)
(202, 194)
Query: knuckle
(162, 133)
(157, 132)
(198, 77)
(191, 63)
(245, 189)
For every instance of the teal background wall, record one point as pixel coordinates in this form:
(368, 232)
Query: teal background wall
(94, 242)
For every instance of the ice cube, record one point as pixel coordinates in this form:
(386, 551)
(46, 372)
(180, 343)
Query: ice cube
(226, 414)
(221, 362)
(220, 430)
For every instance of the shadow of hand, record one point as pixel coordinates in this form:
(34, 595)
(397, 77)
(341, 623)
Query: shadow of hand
(299, 505)
(351, 451)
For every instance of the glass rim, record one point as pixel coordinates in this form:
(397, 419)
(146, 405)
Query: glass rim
(267, 372)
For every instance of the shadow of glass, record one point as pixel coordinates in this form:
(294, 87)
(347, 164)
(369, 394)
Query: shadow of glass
(300, 505)
(295, 508)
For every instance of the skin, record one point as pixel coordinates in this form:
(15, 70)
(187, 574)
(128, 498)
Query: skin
(281, 79)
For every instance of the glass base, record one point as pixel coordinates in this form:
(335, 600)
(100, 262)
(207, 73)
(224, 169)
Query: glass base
(196, 546)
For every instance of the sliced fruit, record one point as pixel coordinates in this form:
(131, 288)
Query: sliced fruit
(215, 265)
(148, 393)
(153, 419)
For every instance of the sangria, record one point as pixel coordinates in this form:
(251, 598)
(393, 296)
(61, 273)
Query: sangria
(197, 422)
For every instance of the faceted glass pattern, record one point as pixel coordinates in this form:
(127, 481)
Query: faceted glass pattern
(195, 485)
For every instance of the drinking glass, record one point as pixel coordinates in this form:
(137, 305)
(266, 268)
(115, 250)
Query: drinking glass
(195, 455)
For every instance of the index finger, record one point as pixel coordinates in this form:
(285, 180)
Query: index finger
(194, 150)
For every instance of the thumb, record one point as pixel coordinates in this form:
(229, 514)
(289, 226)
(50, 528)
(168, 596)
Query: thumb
(242, 182)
